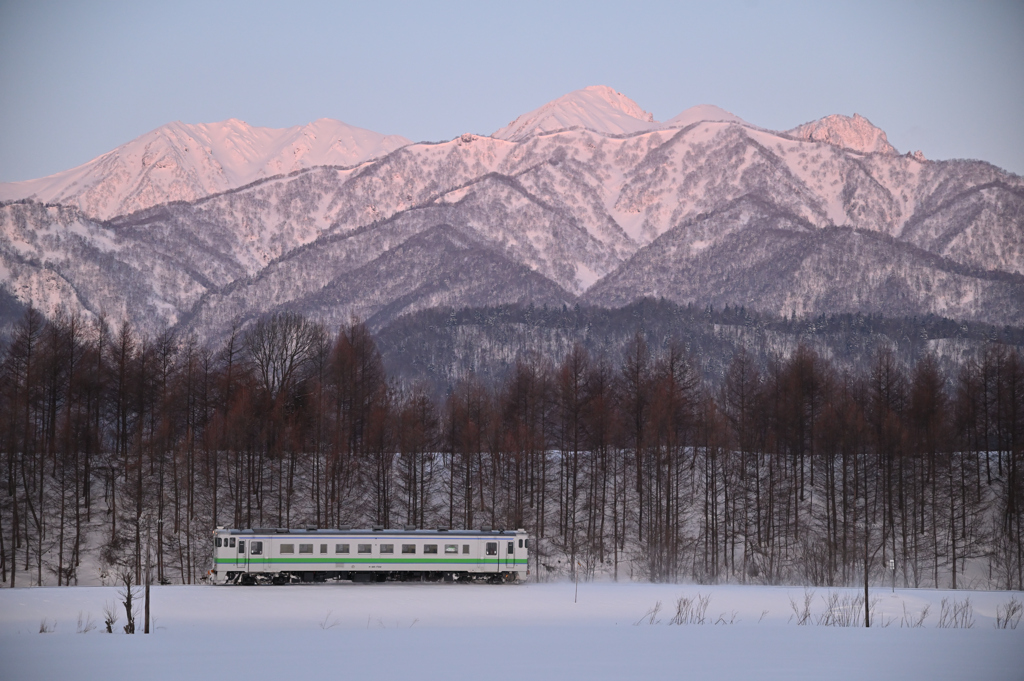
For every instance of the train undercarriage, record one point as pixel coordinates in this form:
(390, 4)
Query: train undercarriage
(253, 578)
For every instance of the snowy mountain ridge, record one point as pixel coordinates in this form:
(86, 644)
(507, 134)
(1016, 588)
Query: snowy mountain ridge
(183, 162)
(856, 133)
(601, 109)
(598, 108)
(701, 209)
(702, 112)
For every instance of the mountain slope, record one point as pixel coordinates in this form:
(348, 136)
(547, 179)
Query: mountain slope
(702, 112)
(598, 108)
(703, 208)
(182, 162)
(856, 133)
(440, 347)
(763, 258)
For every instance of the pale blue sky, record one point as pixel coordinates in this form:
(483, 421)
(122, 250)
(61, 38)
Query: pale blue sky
(78, 79)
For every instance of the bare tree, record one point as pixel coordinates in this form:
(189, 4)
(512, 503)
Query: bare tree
(279, 346)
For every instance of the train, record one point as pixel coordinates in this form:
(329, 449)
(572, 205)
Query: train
(288, 555)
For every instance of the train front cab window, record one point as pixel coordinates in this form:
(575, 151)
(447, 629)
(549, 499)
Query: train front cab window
(257, 548)
(491, 549)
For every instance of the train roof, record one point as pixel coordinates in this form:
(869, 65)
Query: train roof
(485, 531)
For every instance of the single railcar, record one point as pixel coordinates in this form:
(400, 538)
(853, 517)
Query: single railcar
(282, 556)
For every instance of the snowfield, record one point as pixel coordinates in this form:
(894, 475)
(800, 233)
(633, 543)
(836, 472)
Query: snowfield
(536, 631)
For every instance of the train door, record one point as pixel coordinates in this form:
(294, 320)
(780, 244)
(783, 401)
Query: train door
(510, 554)
(241, 557)
(491, 553)
(255, 549)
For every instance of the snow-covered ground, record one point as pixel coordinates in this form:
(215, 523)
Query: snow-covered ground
(534, 631)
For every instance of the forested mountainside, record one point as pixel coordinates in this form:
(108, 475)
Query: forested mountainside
(702, 209)
(630, 466)
(438, 348)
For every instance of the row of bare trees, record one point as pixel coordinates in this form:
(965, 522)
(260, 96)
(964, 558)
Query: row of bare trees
(626, 466)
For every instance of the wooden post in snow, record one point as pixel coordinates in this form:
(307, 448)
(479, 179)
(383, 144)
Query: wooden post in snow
(145, 629)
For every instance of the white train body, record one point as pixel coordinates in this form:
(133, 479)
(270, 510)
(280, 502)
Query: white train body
(281, 556)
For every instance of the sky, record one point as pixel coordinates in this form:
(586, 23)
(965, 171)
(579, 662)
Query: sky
(78, 79)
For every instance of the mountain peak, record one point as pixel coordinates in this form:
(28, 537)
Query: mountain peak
(598, 108)
(183, 162)
(703, 112)
(856, 133)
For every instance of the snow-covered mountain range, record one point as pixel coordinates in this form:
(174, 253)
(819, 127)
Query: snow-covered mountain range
(181, 162)
(587, 198)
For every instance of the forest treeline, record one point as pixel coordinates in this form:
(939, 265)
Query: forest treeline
(442, 346)
(630, 466)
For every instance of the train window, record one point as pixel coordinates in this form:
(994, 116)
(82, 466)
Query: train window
(465, 548)
(387, 548)
(364, 548)
(323, 548)
(527, 542)
(520, 543)
(511, 548)
(287, 548)
(305, 548)
(257, 548)
(232, 542)
(218, 542)
(408, 548)
(241, 546)
(492, 548)
(341, 548)
(430, 548)
(451, 548)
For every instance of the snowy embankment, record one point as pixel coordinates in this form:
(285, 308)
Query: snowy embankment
(392, 631)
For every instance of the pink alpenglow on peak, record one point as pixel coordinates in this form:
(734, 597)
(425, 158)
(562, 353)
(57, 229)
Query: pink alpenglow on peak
(598, 108)
(856, 134)
(703, 112)
(184, 162)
